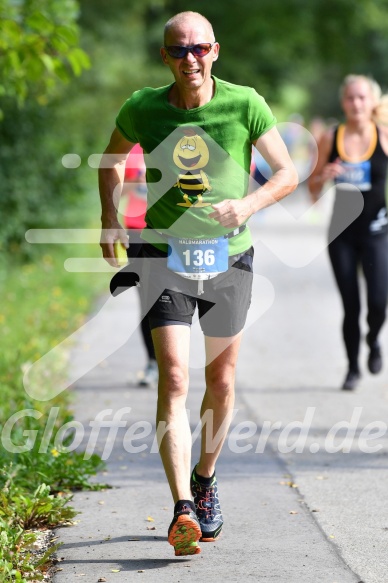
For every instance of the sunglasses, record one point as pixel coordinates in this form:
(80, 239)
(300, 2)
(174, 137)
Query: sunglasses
(200, 50)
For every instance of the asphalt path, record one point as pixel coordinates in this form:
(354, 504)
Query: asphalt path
(303, 474)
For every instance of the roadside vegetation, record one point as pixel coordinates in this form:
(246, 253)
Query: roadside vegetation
(41, 305)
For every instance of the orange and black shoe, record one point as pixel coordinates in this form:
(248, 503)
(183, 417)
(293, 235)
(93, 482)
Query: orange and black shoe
(184, 531)
(207, 506)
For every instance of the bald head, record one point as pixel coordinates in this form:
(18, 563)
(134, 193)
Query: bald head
(187, 18)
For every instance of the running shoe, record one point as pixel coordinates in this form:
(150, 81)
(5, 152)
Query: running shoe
(375, 359)
(184, 531)
(351, 380)
(150, 375)
(207, 507)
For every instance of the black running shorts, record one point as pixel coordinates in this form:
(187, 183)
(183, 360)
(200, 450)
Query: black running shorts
(172, 299)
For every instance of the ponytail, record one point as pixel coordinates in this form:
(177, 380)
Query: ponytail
(380, 114)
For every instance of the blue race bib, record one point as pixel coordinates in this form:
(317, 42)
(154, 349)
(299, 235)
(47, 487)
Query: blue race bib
(356, 173)
(198, 258)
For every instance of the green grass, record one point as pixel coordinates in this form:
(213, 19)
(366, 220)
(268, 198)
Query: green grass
(41, 305)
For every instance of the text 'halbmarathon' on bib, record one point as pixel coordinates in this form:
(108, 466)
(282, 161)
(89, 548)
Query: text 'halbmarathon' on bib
(198, 259)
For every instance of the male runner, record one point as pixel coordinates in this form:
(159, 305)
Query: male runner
(202, 129)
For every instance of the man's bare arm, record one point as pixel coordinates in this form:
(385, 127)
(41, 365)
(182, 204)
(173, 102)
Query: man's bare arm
(110, 181)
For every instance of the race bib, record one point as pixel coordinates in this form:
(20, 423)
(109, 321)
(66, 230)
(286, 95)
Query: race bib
(356, 173)
(198, 258)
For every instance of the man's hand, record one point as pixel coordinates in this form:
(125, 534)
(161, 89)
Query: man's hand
(112, 231)
(232, 213)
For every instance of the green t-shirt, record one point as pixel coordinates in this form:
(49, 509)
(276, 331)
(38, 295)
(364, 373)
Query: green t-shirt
(196, 157)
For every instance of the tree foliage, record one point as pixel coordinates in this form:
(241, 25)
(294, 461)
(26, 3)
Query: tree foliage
(294, 52)
(39, 48)
(39, 56)
(310, 43)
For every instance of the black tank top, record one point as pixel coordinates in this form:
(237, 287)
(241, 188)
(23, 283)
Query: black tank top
(369, 176)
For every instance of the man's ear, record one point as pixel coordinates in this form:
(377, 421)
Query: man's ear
(216, 51)
(163, 53)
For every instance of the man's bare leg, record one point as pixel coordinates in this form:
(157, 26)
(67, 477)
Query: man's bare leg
(218, 401)
(174, 435)
(216, 415)
(172, 353)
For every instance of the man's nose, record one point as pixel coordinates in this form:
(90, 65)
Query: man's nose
(190, 57)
